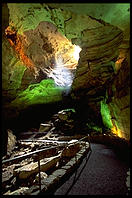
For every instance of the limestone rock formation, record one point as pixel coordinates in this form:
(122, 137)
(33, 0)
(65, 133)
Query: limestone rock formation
(97, 60)
(119, 101)
(38, 37)
(22, 60)
(65, 120)
(99, 42)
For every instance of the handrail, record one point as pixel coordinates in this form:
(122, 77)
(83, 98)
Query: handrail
(38, 155)
(18, 158)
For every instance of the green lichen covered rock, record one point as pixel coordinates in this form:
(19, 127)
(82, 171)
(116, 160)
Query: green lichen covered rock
(106, 117)
(41, 93)
(29, 15)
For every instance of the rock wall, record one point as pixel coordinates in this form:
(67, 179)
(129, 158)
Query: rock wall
(97, 59)
(119, 104)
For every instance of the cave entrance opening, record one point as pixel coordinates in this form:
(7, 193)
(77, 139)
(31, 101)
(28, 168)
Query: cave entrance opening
(64, 67)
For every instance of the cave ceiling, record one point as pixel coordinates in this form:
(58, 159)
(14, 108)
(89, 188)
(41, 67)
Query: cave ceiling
(115, 14)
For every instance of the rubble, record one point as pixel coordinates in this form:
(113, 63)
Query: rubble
(52, 153)
(52, 169)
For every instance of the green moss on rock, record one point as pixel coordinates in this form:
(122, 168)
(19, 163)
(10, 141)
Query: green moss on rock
(30, 15)
(58, 18)
(40, 93)
(93, 127)
(106, 117)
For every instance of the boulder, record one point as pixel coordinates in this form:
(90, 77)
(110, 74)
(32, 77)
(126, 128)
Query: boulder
(66, 114)
(8, 173)
(71, 150)
(64, 120)
(43, 176)
(11, 141)
(32, 168)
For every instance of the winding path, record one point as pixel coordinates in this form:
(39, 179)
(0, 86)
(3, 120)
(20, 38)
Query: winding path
(102, 174)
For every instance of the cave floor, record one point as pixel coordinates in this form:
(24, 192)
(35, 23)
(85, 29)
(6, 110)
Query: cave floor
(103, 174)
(100, 172)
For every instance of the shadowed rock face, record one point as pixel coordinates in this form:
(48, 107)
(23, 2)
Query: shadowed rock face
(119, 100)
(39, 36)
(97, 59)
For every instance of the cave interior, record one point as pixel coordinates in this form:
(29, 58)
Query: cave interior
(67, 65)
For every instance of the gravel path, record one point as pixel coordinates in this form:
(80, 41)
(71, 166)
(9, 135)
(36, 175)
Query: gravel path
(102, 174)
